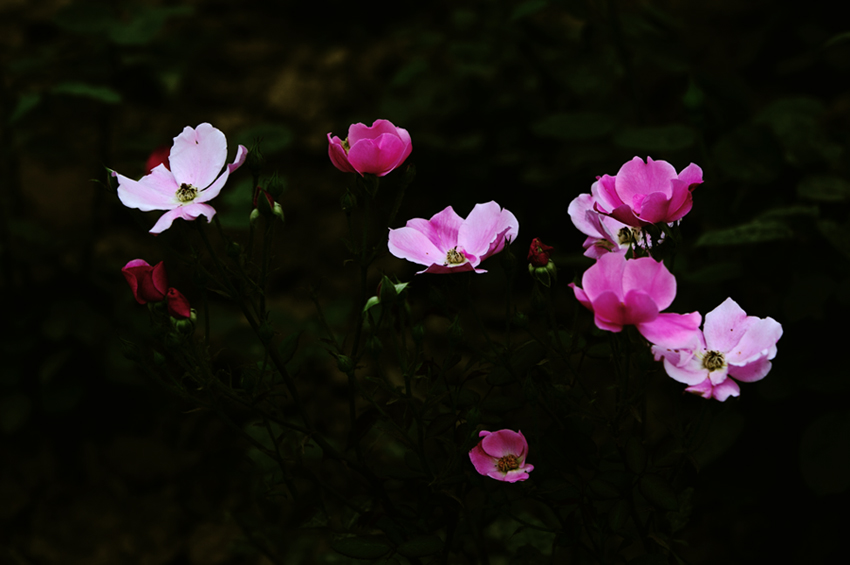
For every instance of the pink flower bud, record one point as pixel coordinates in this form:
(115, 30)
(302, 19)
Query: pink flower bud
(538, 253)
(178, 306)
(377, 149)
(149, 284)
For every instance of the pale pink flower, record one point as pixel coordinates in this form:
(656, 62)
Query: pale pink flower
(623, 292)
(646, 193)
(377, 149)
(195, 161)
(501, 456)
(604, 233)
(448, 243)
(731, 345)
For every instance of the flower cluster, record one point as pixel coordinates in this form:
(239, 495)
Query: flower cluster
(621, 291)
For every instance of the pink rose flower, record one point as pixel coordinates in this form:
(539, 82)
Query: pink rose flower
(731, 345)
(196, 159)
(501, 456)
(604, 233)
(377, 149)
(448, 243)
(149, 284)
(646, 193)
(623, 292)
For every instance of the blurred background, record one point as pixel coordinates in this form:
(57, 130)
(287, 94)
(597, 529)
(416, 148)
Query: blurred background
(521, 102)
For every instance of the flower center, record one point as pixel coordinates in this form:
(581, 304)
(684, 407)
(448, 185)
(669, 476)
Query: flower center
(713, 361)
(345, 145)
(454, 257)
(507, 463)
(186, 193)
(629, 235)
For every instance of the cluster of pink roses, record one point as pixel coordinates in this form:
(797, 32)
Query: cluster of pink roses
(623, 292)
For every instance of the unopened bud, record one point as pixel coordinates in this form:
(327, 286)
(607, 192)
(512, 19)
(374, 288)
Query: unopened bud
(544, 275)
(278, 212)
(255, 217)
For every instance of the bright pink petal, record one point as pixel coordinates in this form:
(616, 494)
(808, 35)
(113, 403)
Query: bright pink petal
(377, 156)
(198, 155)
(413, 245)
(691, 175)
(751, 372)
(654, 208)
(338, 156)
(725, 326)
(212, 191)
(691, 373)
(673, 331)
(581, 296)
(188, 212)
(484, 230)
(626, 215)
(636, 179)
(703, 389)
(156, 191)
(483, 463)
(584, 217)
(441, 229)
(606, 275)
(760, 338)
(605, 195)
(447, 269)
(515, 475)
(681, 203)
(725, 389)
(359, 131)
(653, 278)
(505, 442)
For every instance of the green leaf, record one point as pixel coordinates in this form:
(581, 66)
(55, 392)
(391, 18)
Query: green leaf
(100, 93)
(577, 126)
(421, 546)
(618, 515)
(288, 346)
(25, 103)
(499, 376)
(527, 8)
(660, 138)
(824, 188)
(749, 154)
(754, 232)
(360, 547)
(145, 24)
(604, 489)
(658, 492)
(715, 273)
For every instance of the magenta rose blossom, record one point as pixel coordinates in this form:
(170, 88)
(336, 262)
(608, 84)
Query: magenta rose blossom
(149, 284)
(377, 149)
(448, 243)
(731, 344)
(190, 179)
(501, 456)
(646, 193)
(623, 292)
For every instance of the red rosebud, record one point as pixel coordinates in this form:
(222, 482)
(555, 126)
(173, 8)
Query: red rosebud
(159, 156)
(149, 284)
(538, 253)
(178, 306)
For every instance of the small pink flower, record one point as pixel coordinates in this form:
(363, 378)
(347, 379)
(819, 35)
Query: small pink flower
(448, 243)
(604, 233)
(732, 345)
(377, 149)
(501, 456)
(196, 159)
(623, 292)
(178, 306)
(646, 193)
(149, 284)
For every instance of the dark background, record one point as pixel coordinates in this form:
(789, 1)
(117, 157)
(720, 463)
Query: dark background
(524, 103)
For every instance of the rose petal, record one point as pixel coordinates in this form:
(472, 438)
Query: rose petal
(188, 212)
(198, 155)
